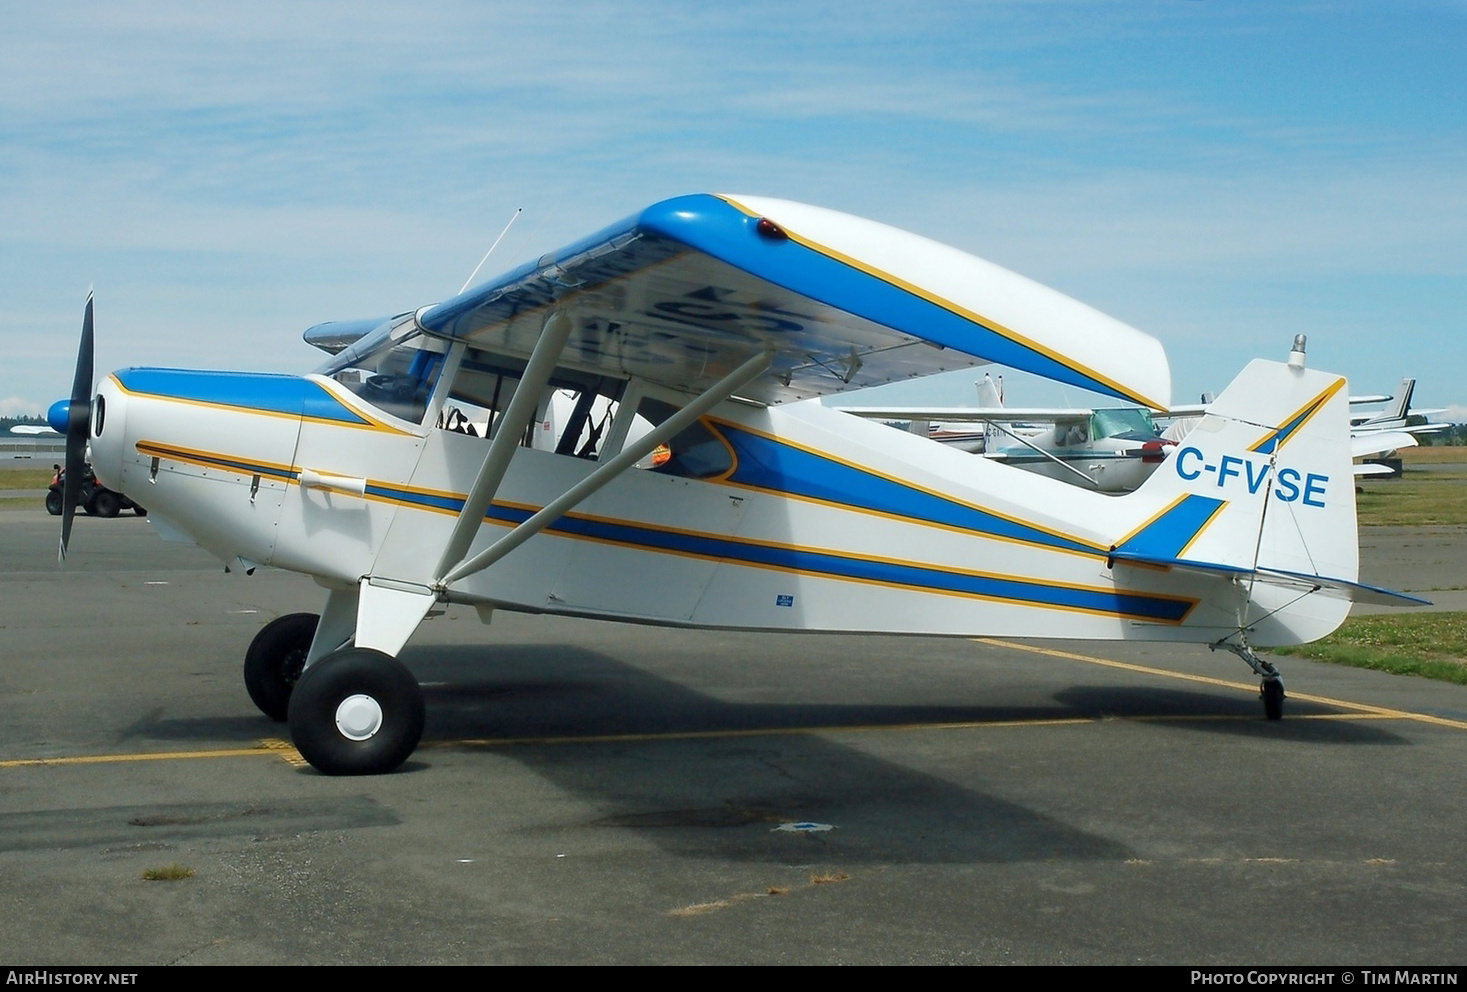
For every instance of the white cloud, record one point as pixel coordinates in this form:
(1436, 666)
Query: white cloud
(227, 176)
(18, 406)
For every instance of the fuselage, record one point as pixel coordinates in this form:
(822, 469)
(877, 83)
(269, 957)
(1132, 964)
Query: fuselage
(783, 518)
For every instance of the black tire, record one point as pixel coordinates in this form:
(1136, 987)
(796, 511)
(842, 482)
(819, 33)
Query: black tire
(275, 660)
(1272, 691)
(106, 504)
(336, 691)
(53, 502)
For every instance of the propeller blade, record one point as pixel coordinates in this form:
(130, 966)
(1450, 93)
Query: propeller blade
(78, 430)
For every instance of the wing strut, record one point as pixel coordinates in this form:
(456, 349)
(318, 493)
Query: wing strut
(521, 410)
(629, 456)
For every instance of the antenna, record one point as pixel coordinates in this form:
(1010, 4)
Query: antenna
(512, 219)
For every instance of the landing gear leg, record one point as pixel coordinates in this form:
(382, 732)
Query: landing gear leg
(1271, 688)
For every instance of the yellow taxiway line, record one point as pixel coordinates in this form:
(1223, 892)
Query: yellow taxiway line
(1359, 709)
(266, 747)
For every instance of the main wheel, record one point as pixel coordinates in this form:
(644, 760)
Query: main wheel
(356, 712)
(1272, 691)
(275, 660)
(106, 504)
(53, 502)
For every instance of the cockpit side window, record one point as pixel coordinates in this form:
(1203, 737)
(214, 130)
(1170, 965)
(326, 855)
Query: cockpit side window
(695, 452)
(572, 415)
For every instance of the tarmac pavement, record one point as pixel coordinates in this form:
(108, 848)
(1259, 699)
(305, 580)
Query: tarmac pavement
(592, 793)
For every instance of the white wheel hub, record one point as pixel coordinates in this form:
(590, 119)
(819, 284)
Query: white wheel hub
(358, 717)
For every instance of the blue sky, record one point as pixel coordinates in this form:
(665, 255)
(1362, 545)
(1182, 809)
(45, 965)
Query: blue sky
(1221, 175)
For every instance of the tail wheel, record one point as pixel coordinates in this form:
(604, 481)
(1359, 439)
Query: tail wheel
(275, 660)
(1272, 691)
(356, 712)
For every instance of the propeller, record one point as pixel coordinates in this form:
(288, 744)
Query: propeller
(78, 429)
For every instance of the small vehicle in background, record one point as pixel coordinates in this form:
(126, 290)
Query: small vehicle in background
(96, 499)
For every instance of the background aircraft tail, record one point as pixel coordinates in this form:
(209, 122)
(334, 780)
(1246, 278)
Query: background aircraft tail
(1393, 416)
(990, 397)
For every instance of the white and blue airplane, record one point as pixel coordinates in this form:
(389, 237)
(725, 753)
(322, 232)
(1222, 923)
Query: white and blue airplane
(709, 319)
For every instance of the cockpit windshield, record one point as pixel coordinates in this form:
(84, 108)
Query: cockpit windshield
(1121, 421)
(394, 368)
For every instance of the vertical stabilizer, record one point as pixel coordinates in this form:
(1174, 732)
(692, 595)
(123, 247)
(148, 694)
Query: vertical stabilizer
(1264, 481)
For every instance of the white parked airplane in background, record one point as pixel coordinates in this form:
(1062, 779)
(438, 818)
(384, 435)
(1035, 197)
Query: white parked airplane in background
(710, 318)
(1115, 449)
(1396, 417)
(1382, 433)
(1108, 449)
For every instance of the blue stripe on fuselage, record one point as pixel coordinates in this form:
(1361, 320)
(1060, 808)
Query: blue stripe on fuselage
(258, 391)
(782, 469)
(1143, 606)
(737, 551)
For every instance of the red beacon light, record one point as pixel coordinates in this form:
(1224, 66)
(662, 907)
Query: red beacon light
(769, 229)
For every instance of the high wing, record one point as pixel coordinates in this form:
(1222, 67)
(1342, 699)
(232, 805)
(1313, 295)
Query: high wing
(687, 290)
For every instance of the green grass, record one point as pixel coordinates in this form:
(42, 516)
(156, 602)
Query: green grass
(168, 873)
(25, 478)
(1418, 499)
(1421, 497)
(1437, 454)
(1430, 645)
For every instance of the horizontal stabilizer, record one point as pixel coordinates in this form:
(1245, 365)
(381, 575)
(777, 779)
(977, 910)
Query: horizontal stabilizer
(1355, 592)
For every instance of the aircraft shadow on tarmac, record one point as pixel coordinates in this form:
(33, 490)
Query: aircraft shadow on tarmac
(552, 708)
(1221, 712)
